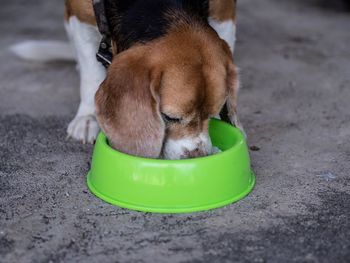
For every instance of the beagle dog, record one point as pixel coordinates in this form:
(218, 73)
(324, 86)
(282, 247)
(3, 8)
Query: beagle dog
(172, 70)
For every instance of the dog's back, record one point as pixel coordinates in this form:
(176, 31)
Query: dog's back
(145, 20)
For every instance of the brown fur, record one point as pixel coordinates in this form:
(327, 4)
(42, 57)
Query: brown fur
(187, 74)
(127, 105)
(222, 10)
(82, 9)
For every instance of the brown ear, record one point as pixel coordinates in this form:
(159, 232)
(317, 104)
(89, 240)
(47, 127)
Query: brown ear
(127, 106)
(232, 94)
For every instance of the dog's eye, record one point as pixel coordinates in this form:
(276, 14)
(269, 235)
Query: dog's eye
(167, 118)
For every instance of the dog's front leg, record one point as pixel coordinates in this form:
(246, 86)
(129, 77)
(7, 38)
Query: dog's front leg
(86, 38)
(222, 18)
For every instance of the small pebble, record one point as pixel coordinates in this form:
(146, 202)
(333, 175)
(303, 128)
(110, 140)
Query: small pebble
(254, 148)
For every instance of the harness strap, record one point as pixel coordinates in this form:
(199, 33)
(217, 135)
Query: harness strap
(104, 54)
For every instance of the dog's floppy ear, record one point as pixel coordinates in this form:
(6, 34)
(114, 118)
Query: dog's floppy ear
(127, 105)
(232, 82)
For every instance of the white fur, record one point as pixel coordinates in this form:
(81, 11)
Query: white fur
(226, 30)
(71, 42)
(176, 149)
(43, 50)
(86, 39)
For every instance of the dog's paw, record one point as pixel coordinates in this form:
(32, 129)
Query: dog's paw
(83, 128)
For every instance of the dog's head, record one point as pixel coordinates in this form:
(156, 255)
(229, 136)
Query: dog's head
(158, 97)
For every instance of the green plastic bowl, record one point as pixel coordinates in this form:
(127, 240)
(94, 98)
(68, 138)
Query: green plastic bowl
(174, 186)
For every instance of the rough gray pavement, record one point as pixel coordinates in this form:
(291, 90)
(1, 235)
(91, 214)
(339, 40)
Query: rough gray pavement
(294, 102)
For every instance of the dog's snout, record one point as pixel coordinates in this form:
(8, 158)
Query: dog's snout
(197, 152)
(190, 147)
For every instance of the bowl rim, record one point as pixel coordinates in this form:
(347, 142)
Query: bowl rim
(102, 140)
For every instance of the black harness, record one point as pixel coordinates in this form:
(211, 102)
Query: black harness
(104, 54)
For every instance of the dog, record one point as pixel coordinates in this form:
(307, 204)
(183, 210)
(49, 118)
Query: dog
(172, 70)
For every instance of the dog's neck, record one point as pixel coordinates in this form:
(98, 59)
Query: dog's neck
(141, 21)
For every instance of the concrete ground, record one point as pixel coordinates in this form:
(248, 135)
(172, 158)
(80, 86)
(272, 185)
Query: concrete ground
(295, 105)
